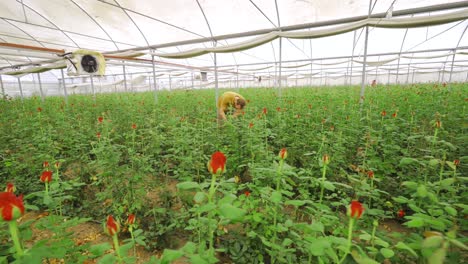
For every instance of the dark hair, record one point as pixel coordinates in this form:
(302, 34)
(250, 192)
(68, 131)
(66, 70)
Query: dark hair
(241, 102)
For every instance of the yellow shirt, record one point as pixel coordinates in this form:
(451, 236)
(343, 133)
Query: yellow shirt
(227, 99)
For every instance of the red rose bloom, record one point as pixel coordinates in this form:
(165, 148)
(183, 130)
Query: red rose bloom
(11, 207)
(134, 126)
(265, 111)
(401, 213)
(356, 209)
(46, 176)
(131, 219)
(217, 163)
(283, 153)
(247, 193)
(112, 226)
(100, 119)
(10, 187)
(370, 174)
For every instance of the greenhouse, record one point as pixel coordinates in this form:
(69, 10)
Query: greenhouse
(233, 131)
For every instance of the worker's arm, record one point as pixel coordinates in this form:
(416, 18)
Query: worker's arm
(221, 113)
(237, 112)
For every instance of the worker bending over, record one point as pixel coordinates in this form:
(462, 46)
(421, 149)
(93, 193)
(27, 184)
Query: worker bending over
(228, 100)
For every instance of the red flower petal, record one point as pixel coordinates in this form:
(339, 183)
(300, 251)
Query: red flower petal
(112, 227)
(217, 162)
(46, 176)
(11, 207)
(356, 209)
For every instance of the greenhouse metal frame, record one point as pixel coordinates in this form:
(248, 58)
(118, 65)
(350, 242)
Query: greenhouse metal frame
(39, 63)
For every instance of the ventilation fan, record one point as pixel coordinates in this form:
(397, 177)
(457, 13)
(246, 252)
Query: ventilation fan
(85, 62)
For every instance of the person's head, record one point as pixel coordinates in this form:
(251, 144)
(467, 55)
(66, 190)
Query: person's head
(240, 103)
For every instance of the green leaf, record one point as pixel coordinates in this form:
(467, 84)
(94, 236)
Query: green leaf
(408, 161)
(458, 244)
(362, 259)
(197, 259)
(170, 255)
(381, 242)
(206, 208)
(401, 245)
(438, 257)
(400, 199)
(447, 182)
(318, 246)
(387, 253)
(199, 197)
(108, 259)
(450, 210)
(189, 247)
(434, 162)
(296, 203)
(188, 185)
(231, 212)
(365, 237)
(316, 226)
(257, 217)
(329, 186)
(276, 197)
(416, 222)
(422, 191)
(410, 184)
(432, 242)
(100, 249)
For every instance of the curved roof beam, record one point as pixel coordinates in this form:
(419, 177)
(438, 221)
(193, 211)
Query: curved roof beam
(66, 31)
(436, 35)
(131, 19)
(45, 42)
(208, 24)
(152, 18)
(58, 28)
(94, 20)
(438, 7)
(26, 33)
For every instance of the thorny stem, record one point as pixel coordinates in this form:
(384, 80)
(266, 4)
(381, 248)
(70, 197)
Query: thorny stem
(116, 247)
(15, 237)
(324, 172)
(350, 235)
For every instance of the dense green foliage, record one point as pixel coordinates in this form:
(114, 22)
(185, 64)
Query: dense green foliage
(402, 150)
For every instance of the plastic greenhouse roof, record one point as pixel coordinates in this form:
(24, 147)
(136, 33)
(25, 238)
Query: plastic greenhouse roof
(34, 32)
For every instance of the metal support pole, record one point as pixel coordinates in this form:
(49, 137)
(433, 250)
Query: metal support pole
(92, 87)
(407, 75)
(412, 79)
(154, 81)
(21, 89)
(363, 80)
(64, 87)
(451, 69)
(124, 76)
(443, 73)
(40, 87)
(170, 82)
(388, 79)
(3, 88)
(192, 81)
(237, 78)
(280, 58)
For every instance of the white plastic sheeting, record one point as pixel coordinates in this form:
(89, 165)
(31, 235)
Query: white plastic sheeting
(247, 31)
